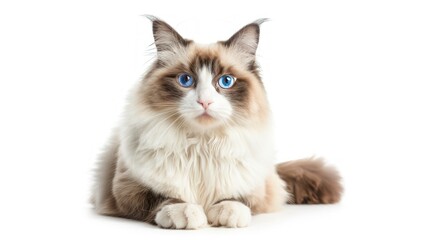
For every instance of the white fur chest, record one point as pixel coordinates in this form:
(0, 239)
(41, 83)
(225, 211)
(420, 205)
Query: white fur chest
(198, 169)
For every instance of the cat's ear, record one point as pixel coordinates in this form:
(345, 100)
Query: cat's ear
(246, 40)
(167, 40)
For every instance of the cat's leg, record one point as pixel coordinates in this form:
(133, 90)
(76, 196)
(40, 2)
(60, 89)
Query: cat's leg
(181, 216)
(139, 202)
(229, 213)
(237, 212)
(270, 197)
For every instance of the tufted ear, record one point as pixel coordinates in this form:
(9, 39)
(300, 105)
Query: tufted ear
(167, 40)
(246, 40)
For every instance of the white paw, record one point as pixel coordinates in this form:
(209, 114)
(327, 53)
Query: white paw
(181, 216)
(229, 214)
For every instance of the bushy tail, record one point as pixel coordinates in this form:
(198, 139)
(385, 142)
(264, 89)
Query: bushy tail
(310, 181)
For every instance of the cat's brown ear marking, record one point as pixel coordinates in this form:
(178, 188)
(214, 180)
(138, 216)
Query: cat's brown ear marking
(247, 38)
(166, 38)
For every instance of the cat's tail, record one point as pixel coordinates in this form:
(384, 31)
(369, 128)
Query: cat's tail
(310, 181)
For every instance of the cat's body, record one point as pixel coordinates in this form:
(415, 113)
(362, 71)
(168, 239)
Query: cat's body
(195, 144)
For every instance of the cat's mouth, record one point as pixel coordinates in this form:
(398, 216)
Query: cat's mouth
(205, 118)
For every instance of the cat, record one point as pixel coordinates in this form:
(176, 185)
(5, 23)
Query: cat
(195, 145)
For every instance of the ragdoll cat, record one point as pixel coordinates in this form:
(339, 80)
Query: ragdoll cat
(195, 146)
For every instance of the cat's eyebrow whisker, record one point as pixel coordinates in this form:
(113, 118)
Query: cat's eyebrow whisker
(151, 59)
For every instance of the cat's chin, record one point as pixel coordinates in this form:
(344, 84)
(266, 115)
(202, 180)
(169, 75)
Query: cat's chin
(206, 121)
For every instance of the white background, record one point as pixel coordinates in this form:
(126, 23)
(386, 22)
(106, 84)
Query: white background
(347, 80)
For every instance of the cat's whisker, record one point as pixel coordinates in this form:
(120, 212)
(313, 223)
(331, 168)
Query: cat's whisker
(170, 126)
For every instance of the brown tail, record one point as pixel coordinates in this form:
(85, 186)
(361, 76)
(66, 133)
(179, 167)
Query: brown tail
(310, 181)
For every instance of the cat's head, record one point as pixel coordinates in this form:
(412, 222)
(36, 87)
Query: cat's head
(205, 87)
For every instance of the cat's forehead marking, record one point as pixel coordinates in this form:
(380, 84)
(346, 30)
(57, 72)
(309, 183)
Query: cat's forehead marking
(205, 76)
(205, 89)
(216, 56)
(207, 57)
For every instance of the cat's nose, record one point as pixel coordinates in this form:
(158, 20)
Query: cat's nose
(205, 103)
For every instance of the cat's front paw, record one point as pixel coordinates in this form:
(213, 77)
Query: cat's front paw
(181, 216)
(229, 214)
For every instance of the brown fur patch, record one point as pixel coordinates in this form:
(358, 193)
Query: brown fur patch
(134, 200)
(160, 90)
(119, 195)
(102, 197)
(311, 181)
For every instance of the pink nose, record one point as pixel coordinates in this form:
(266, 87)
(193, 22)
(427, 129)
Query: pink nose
(205, 103)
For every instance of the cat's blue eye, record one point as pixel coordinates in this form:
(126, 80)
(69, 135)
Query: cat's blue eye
(226, 81)
(185, 80)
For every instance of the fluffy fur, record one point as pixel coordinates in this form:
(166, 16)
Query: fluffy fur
(186, 157)
(311, 181)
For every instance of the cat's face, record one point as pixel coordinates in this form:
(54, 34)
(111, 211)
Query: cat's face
(204, 87)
